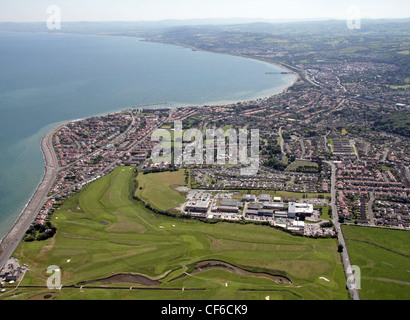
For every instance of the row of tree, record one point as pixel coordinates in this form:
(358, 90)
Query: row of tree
(40, 232)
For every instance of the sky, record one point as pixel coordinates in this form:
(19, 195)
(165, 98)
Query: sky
(154, 10)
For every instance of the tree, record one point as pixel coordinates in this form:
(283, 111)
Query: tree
(30, 237)
(340, 247)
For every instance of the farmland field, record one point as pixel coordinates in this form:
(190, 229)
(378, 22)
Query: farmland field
(105, 238)
(383, 257)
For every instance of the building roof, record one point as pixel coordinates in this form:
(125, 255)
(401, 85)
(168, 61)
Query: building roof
(295, 207)
(297, 223)
(264, 197)
(198, 204)
(255, 206)
(274, 205)
(248, 197)
(229, 203)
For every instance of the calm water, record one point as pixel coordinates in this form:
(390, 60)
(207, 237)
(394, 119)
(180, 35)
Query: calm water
(49, 78)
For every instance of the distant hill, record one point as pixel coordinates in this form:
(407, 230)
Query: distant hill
(398, 123)
(274, 27)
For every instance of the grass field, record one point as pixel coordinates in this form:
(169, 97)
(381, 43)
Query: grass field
(325, 212)
(383, 256)
(156, 189)
(102, 231)
(352, 49)
(300, 163)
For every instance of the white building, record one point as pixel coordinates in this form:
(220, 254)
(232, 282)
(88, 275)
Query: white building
(295, 209)
(277, 199)
(197, 206)
(297, 226)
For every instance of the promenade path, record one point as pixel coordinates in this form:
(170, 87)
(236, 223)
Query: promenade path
(11, 240)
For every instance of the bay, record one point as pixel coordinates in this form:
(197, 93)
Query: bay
(49, 78)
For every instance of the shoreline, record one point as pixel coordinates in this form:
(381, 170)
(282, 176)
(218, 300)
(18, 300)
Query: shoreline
(16, 233)
(276, 64)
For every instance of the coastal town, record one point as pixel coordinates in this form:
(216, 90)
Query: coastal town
(332, 149)
(323, 119)
(372, 182)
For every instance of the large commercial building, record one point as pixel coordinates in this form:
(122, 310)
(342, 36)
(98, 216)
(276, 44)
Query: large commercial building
(249, 198)
(263, 197)
(274, 205)
(267, 209)
(296, 209)
(229, 205)
(197, 206)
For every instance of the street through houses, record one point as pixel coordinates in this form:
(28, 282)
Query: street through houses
(335, 219)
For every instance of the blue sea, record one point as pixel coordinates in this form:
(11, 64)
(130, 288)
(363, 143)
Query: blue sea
(49, 78)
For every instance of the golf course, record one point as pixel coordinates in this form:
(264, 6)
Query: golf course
(108, 245)
(383, 256)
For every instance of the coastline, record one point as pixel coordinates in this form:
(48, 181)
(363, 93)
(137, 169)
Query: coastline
(276, 64)
(16, 233)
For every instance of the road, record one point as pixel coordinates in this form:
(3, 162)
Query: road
(354, 293)
(281, 141)
(325, 141)
(386, 152)
(367, 149)
(370, 208)
(12, 239)
(302, 146)
(340, 84)
(353, 145)
(312, 81)
(10, 242)
(407, 172)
